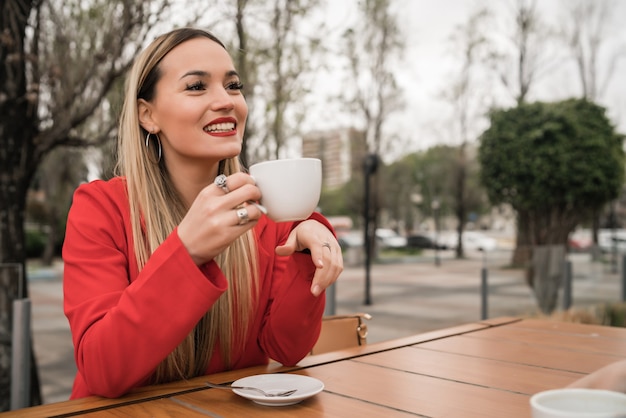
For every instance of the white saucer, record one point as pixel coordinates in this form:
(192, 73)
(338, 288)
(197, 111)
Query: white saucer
(306, 387)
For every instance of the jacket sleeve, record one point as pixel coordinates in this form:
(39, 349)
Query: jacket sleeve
(123, 323)
(292, 321)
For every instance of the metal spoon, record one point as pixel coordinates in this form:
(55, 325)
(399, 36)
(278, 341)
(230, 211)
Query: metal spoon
(264, 393)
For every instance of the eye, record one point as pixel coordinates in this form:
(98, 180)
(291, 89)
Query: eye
(197, 86)
(235, 85)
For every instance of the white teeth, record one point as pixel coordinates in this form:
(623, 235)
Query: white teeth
(220, 127)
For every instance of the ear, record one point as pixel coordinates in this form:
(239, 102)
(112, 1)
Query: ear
(146, 121)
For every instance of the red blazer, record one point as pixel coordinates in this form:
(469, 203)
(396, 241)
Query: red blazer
(125, 322)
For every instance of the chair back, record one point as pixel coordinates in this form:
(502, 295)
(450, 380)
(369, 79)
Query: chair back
(341, 331)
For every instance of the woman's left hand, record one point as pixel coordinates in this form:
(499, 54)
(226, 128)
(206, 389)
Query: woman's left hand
(324, 248)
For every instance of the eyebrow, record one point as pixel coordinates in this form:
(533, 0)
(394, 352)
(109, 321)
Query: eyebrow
(201, 73)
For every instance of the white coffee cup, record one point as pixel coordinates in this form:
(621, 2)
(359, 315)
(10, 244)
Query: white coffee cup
(290, 188)
(578, 403)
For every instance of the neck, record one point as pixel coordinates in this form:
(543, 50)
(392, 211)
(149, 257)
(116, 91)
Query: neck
(190, 178)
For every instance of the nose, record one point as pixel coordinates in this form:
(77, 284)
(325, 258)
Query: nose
(221, 100)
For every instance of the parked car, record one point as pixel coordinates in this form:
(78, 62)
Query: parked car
(477, 241)
(609, 240)
(350, 239)
(352, 246)
(423, 241)
(388, 238)
(473, 240)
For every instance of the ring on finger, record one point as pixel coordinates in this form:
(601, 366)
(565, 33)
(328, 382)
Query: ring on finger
(220, 181)
(242, 215)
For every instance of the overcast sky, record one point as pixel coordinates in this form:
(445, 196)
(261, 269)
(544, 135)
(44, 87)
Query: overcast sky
(427, 64)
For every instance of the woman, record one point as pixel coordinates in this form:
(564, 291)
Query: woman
(171, 269)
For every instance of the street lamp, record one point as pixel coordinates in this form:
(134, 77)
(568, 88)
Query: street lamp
(613, 220)
(435, 207)
(370, 164)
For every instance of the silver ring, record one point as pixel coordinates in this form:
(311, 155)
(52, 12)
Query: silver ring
(242, 215)
(220, 181)
(327, 245)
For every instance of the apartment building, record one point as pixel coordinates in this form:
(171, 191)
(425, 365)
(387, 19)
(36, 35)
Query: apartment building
(341, 152)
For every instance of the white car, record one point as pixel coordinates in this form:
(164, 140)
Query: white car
(388, 238)
(472, 240)
(609, 240)
(350, 239)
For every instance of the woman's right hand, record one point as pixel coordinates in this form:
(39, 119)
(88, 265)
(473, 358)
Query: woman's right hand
(212, 222)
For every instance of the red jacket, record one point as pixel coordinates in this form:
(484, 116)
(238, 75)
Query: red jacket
(125, 322)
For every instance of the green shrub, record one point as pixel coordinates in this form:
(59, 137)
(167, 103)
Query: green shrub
(35, 243)
(610, 314)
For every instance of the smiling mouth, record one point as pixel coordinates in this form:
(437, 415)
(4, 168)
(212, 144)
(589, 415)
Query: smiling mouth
(220, 127)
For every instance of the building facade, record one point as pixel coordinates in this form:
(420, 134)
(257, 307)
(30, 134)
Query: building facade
(340, 150)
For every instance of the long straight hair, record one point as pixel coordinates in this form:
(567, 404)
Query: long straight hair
(156, 208)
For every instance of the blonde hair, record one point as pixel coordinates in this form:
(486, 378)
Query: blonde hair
(156, 209)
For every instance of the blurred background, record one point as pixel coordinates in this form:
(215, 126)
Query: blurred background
(447, 126)
(404, 86)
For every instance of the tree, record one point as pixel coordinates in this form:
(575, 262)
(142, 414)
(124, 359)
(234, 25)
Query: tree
(431, 171)
(468, 104)
(588, 36)
(57, 180)
(525, 55)
(519, 62)
(435, 185)
(553, 163)
(59, 61)
(289, 57)
(275, 64)
(399, 181)
(371, 46)
(247, 69)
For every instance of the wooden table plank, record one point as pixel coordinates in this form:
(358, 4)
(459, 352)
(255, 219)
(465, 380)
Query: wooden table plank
(165, 408)
(503, 320)
(143, 393)
(321, 405)
(367, 349)
(566, 358)
(509, 376)
(418, 394)
(590, 342)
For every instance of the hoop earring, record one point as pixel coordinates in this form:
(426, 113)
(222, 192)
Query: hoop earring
(158, 141)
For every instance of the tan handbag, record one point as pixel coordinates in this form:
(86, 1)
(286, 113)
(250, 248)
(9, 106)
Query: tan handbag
(341, 331)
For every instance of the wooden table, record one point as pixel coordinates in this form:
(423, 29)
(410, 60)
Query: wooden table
(483, 369)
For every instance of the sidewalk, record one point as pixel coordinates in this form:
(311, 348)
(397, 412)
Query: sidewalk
(408, 297)
(416, 297)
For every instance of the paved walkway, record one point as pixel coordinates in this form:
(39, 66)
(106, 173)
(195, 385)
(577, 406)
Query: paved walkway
(408, 297)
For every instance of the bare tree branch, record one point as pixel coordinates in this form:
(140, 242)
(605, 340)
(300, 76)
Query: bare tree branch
(60, 64)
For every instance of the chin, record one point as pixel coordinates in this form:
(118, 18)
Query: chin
(231, 153)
